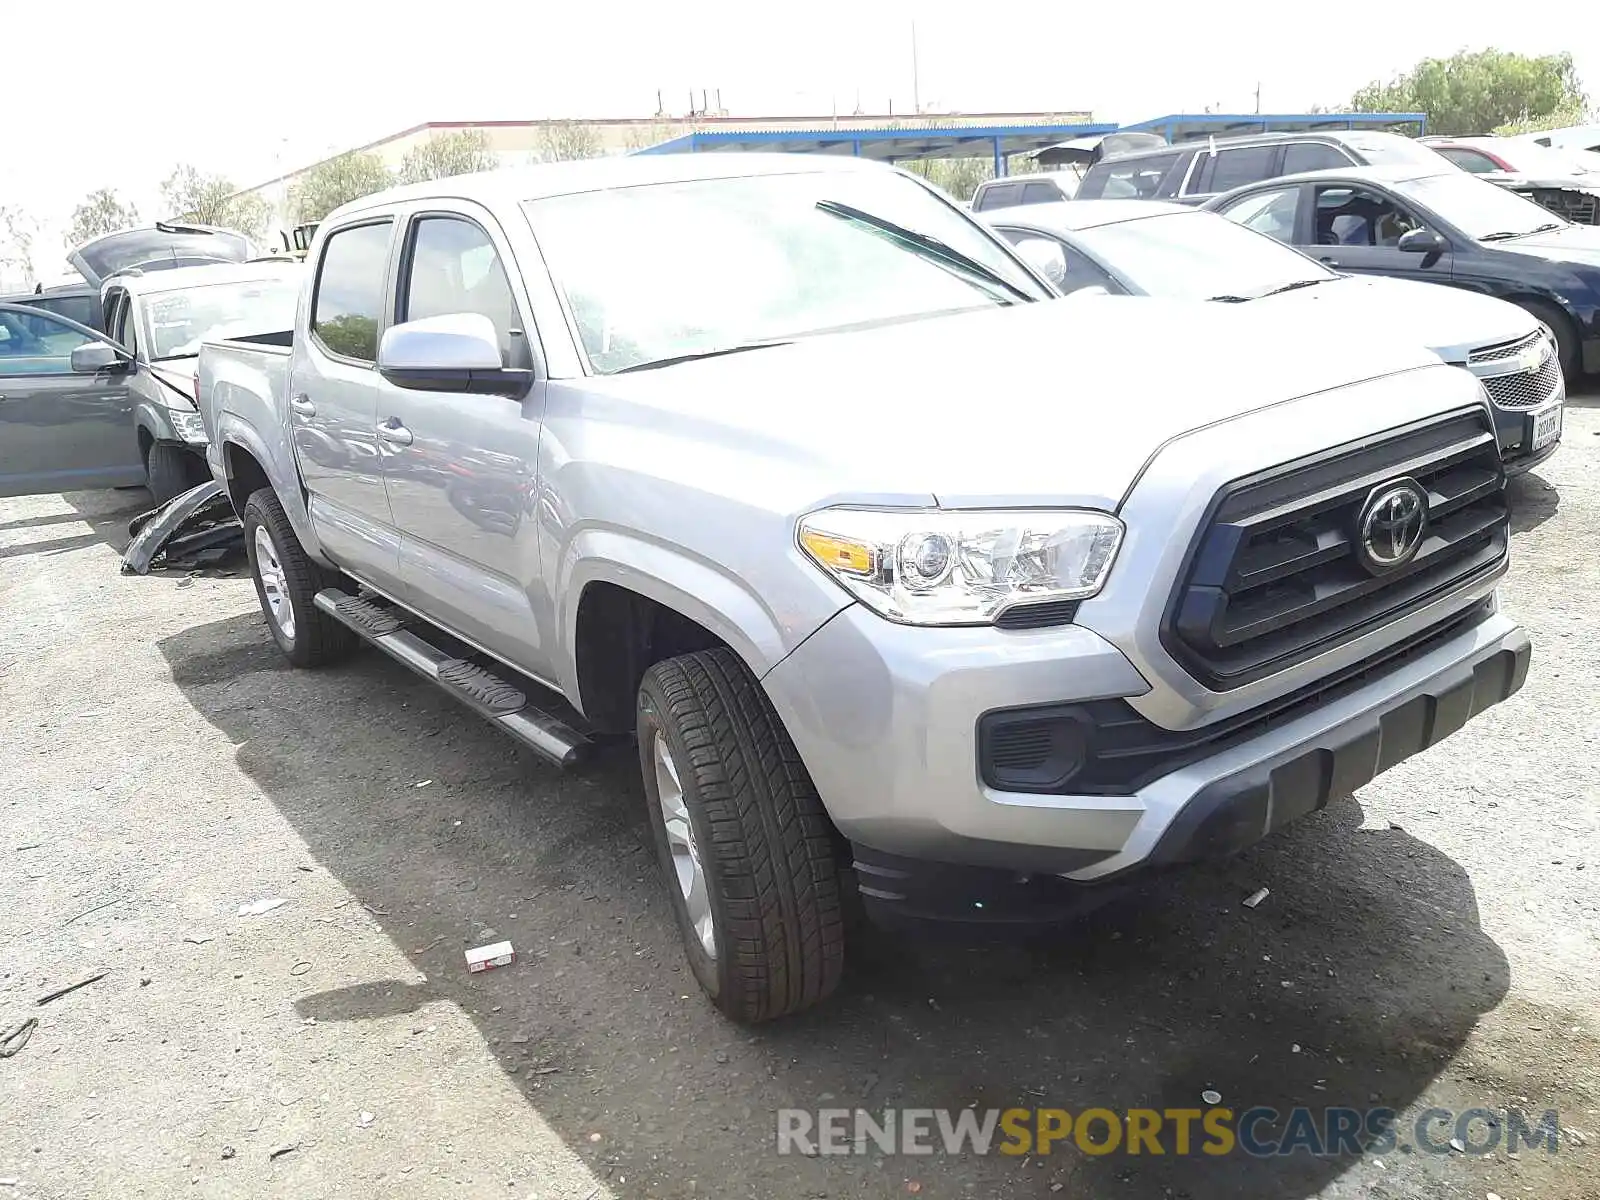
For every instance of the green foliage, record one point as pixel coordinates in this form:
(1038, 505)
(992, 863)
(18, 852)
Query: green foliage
(351, 334)
(100, 213)
(1573, 112)
(444, 154)
(213, 200)
(561, 141)
(1476, 91)
(960, 177)
(338, 181)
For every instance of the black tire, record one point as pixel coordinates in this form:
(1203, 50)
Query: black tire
(1567, 350)
(315, 638)
(169, 471)
(763, 839)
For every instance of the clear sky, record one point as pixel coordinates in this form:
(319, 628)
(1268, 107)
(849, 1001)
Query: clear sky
(127, 89)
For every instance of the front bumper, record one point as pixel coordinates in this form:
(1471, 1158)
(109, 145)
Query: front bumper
(885, 717)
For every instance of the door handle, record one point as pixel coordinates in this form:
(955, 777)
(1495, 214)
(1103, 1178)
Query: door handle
(1332, 262)
(395, 433)
(302, 405)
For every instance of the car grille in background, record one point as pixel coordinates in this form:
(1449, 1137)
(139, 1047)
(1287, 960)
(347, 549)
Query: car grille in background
(1274, 577)
(1505, 349)
(1578, 207)
(1524, 389)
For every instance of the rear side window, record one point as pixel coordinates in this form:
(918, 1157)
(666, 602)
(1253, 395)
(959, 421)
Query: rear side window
(1128, 178)
(999, 196)
(1228, 169)
(1312, 156)
(85, 310)
(1470, 160)
(349, 301)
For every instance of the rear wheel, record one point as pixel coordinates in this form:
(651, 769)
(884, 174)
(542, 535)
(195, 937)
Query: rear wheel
(287, 582)
(170, 471)
(1567, 350)
(746, 846)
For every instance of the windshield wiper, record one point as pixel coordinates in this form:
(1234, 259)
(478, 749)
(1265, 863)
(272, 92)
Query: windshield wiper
(925, 246)
(1506, 235)
(1293, 286)
(1226, 299)
(696, 355)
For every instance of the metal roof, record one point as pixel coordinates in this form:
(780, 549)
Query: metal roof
(886, 144)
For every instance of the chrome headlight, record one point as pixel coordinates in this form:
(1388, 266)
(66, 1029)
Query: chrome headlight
(924, 567)
(188, 425)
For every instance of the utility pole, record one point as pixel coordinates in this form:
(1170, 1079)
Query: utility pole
(1258, 97)
(916, 81)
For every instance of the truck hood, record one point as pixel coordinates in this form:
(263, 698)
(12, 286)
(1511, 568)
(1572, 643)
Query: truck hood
(1051, 403)
(1449, 321)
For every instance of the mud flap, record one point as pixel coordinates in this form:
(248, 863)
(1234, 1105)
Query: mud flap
(191, 529)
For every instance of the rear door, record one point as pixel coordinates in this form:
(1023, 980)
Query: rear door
(1225, 170)
(60, 430)
(460, 468)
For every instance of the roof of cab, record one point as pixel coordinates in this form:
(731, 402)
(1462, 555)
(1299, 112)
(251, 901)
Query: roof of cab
(1081, 214)
(515, 184)
(179, 279)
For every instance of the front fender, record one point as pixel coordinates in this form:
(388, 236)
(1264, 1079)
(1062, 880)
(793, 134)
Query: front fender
(152, 418)
(701, 590)
(280, 471)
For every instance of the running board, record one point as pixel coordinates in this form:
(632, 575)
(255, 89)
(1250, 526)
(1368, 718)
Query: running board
(505, 703)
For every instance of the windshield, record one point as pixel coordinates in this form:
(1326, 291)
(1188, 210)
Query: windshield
(1197, 255)
(179, 321)
(665, 271)
(1476, 207)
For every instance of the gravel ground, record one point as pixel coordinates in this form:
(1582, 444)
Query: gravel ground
(1431, 943)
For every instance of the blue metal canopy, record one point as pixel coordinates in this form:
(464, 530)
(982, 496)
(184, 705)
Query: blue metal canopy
(1183, 127)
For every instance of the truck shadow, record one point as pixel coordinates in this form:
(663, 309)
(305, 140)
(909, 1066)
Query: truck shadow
(1353, 984)
(1533, 501)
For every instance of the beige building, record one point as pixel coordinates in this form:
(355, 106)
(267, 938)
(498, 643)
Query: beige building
(519, 142)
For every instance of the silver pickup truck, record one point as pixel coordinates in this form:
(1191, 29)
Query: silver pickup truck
(748, 459)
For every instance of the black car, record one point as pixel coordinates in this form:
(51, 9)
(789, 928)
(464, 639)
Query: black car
(1193, 172)
(1439, 227)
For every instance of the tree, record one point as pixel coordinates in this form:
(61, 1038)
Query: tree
(560, 141)
(1572, 113)
(100, 213)
(17, 231)
(1476, 91)
(213, 200)
(337, 181)
(444, 154)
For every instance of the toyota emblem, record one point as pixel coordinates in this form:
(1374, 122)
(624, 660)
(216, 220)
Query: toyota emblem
(1393, 522)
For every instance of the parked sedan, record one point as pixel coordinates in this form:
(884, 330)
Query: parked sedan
(1143, 247)
(1440, 227)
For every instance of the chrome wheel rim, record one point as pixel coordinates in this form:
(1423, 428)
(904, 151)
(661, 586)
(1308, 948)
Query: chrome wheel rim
(686, 868)
(274, 588)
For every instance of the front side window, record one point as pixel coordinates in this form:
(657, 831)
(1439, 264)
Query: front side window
(349, 302)
(1270, 212)
(37, 344)
(454, 268)
(1348, 216)
(662, 271)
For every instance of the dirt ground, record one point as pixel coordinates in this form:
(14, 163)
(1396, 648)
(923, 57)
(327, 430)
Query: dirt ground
(1431, 943)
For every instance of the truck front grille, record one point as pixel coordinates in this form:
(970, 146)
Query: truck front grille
(1283, 570)
(1524, 389)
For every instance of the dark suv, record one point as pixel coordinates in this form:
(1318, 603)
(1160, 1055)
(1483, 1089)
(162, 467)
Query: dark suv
(1193, 172)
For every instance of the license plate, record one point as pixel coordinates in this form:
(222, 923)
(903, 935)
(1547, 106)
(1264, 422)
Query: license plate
(1546, 428)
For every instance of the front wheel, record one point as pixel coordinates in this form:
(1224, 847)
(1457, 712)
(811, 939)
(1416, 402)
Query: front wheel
(287, 582)
(170, 471)
(747, 848)
(1568, 352)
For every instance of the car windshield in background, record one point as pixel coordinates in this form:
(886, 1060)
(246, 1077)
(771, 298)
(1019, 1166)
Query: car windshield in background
(1382, 150)
(180, 321)
(1198, 256)
(671, 271)
(1476, 207)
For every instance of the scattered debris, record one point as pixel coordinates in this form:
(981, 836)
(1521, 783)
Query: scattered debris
(1458, 1145)
(425, 783)
(30, 846)
(197, 939)
(365, 1119)
(1294, 1048)
(429, 946)
(545, 1071)
(179, 534)
(228, 1152)
(485, 958)
(260, 907)
(14, 1039)
(72, 987)
(1211, 1096)
(913, 1186)
(488, 935)
(296, 969)
(86, 912)
(1256, 897)
(280, 1151)
(594, 1137)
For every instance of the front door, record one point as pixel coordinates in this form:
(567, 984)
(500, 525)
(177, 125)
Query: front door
(459, 467)
(333, 406)
(60, 430)
(1358, 230)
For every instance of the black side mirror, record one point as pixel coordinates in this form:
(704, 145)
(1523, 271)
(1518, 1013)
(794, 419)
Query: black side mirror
(1424, 242)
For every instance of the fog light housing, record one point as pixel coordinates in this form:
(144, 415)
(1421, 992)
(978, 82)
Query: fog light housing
(1033, 749)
